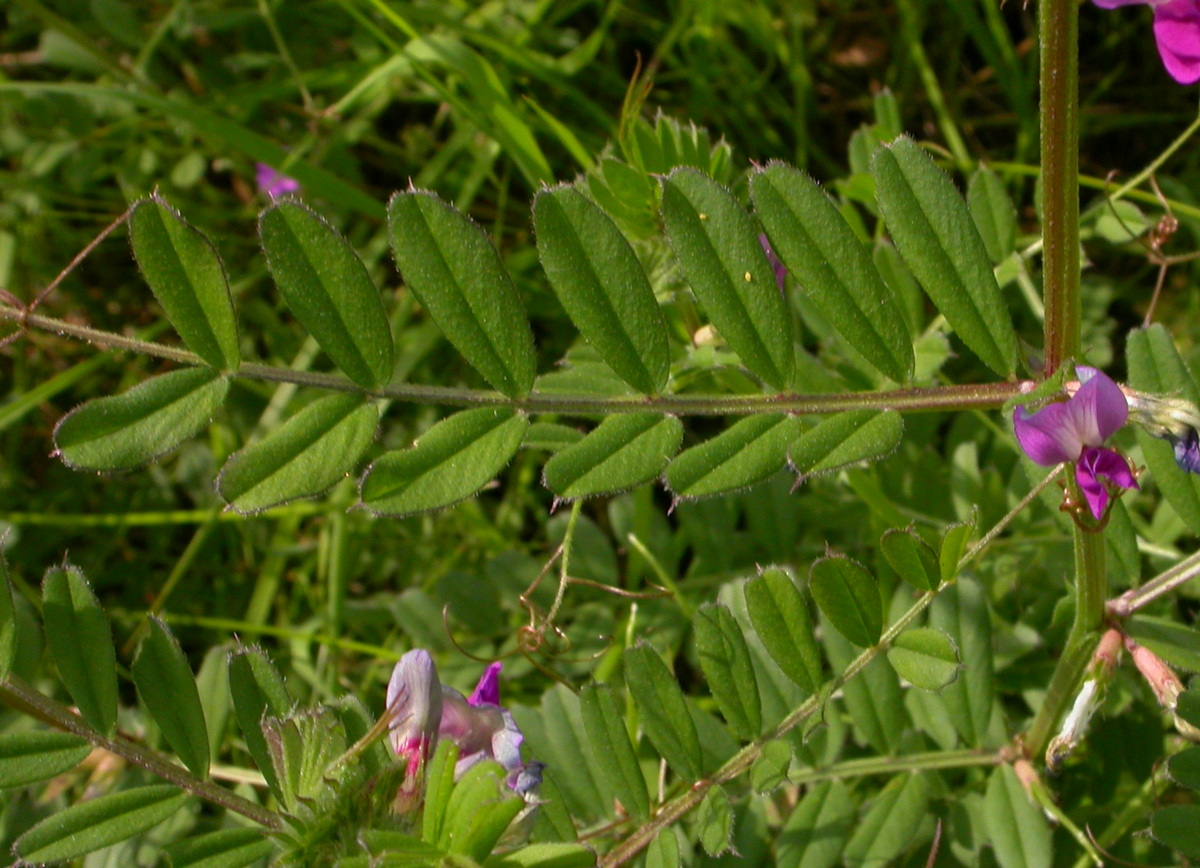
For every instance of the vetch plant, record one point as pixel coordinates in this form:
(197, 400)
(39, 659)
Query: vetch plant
(809, 607)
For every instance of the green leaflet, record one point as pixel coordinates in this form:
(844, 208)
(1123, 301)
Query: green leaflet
(954, 546)
(781, 619)
(725, 661)
(480, 808)
(714, 822)
(890, 823)
(30, 757)
(602, 286)
(439, 784)
(450, 462)
(816, 830)
(257, 691)
(623, 452)
(609, 740)
(770, 770)
(717, 246)
(993, 212)
(847, 438)
(456, 274)
(188, 279)
(565, 732)
(101, 822)
(750, 451)
(1156, 366)
(151, 419)
(912, 557)
(1184, 768)
(849, 597)
(924, 657)
(1178, 827)
(169, 692)
(664, 713)
(81, 642)
(932, 228)
(327, 287)
(228, 848)
(305, 456)
(663, 851)
(833, 267)
(1018, 831)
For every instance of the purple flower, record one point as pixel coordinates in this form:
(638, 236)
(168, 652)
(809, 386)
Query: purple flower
(274, 184)
(778, 267)
(1074, 430)
(1177, 32)
(481, 728)
(1187, 451)
(424, 710)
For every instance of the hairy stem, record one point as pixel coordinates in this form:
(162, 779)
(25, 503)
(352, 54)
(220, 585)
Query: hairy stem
(939, 398)
(19, 695)
(1162, 584)
(1091, 586)
(1058, 37)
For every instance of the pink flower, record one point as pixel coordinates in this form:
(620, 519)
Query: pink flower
(423, 710)
(272, 183)
(1177, 32)
(1074, 430)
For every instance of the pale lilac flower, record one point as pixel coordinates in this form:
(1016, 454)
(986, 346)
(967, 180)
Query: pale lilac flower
(1177, 32)
(423, 710)
(414, 702)
(272, 183)
(481, 728)
(1074, 431)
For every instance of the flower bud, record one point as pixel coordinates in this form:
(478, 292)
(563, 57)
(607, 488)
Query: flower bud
(414, 704)
(1162, 679)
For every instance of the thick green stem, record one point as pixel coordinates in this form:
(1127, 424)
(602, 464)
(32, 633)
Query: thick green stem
(17, 694)
(1059, 81)
(1091, 591)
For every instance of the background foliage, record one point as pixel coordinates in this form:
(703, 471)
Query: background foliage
(104, 101)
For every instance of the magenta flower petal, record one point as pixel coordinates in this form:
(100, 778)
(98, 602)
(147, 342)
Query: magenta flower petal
(487, 691)
(1177, 32)
(272, 183)
(1097, 470)
(1048, 436)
